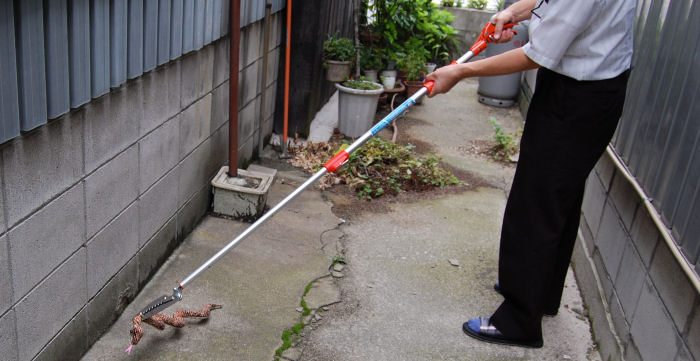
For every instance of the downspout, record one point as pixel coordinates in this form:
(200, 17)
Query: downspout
(234, 44)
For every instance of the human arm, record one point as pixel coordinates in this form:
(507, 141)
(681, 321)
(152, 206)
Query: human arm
(509, 62)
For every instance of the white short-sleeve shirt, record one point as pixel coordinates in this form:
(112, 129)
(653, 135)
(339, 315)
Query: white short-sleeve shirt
(582, 39)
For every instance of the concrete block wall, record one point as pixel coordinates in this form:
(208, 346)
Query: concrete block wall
(642, 305)
(468, 23)
(94, 201)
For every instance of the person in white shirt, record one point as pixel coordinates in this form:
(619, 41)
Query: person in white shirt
(583, 50)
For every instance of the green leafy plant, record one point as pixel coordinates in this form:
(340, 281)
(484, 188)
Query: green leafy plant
(361, 83)
(381, 167)
(412, 59)
(477, 4)
(340, 49)
(399, 20)
(447, 3)
(369, 59)
(506, 144)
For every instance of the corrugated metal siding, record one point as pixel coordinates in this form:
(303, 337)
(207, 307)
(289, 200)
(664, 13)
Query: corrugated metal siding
(58, 54)
(659, 133)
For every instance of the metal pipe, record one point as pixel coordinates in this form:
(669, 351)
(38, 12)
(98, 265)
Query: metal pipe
(263, 97)
(253, 227)
(234, 44)
(287, 55)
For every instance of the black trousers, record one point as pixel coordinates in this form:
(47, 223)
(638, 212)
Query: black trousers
(568, 126)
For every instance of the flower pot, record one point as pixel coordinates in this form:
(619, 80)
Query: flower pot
(388, 81)
(337, 71)
(356, 109)
(371, 75)
(412, 86)
(430, 67)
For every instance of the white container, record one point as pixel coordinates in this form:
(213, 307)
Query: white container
(356, 109)
(389, 82)
(371, 75)
(337, 71)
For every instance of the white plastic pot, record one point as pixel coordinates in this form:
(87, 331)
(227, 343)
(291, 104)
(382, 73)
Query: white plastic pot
(337, 71)
(356, 109)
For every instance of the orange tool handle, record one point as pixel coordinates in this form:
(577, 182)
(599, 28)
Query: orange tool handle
(482, 41)
(337, 161)
(486, 36)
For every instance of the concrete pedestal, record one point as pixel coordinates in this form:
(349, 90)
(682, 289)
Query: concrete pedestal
(242, 196)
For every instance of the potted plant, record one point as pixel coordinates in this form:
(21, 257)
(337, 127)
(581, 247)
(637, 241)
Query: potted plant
(357, 104)
(370, 63)
(412, 65)
(337, 57)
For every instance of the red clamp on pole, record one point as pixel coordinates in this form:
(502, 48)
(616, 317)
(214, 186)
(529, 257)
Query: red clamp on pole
(486, 37)
(337, 161)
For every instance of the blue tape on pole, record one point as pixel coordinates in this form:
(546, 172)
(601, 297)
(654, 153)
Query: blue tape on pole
(393, 115)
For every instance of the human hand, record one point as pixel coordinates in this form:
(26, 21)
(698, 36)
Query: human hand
(444, 79)
(499, 19)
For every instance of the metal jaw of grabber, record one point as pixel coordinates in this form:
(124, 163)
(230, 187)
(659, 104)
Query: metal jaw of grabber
(161, 303)
(331, 166)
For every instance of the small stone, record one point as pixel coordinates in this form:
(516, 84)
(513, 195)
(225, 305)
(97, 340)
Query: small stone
(566, 357)
(337, 274)
(325, 308)
(514, 158)
(300, 309)
(292, 354)
(338, 267)
(454, 262)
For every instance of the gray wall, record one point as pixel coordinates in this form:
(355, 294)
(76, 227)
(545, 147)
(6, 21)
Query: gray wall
(624, 267)
(468, 23)
(95, 200)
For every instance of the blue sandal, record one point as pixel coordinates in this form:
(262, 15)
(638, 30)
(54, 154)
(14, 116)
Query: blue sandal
(482, 329)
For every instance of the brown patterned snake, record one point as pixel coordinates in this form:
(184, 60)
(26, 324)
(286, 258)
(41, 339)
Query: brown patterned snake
(159, 321)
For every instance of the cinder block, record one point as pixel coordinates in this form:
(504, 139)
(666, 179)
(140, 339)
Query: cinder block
(219, 107)
(70, 343)
(588, 286)
(618, 318)
(6, 296)
(611, 239)
(157, 205)
(630, 280)
(51, 305)
(593, 203)
(632, 353)
(111, 301)
(111, 188)
(192, 212)
(248, 84)
(248, 119)
(111, 248)
(626, 200)
(222, 55)
(603, 274)
(8, 343)
(195, 125)
(694, 335)
(43, 241)
(159, 152)
(39, 165)
(674, 287)
(245, 150)
(587, 235)
(251, 41)
(197, 75)
(157, 250)
(161, 96)
(270, 99)
(219, 148)
(652, 328)
(683, 354)
(193, 172)
(276, 30)
(273, 59)
(3, 221)
(112, 124)
(645, 235)
(605, 169)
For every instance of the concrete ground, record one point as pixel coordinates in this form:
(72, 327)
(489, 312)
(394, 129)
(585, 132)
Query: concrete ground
(416, 268)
